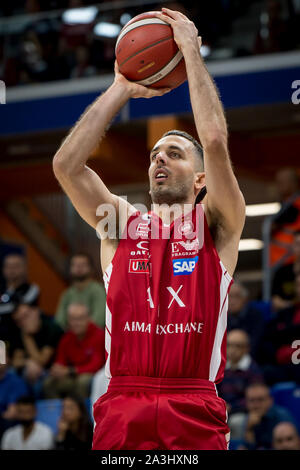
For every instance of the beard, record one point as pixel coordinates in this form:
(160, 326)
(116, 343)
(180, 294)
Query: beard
(80, 277)
(175, 193)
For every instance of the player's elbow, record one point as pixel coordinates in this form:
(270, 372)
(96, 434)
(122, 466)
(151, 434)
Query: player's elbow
(215, 142)
(63, 167)
(59, 166)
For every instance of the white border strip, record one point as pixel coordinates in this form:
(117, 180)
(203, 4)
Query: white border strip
(100, 83)
(137, 24)
(255, 64)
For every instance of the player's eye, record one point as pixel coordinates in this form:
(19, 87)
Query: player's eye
(153, 156)
(174, 154)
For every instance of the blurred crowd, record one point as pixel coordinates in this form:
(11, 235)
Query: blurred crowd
(50, 357)
(44, 47)
(61, 357)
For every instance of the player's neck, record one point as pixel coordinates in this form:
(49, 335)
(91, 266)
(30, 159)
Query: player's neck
(168, 213)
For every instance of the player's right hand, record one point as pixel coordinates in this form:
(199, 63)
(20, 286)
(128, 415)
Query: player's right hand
(135, 90)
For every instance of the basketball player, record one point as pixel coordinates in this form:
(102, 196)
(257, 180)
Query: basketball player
(166, 299)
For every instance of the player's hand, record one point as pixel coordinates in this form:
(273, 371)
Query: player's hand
(59, 371)
(184, 31)
(135, 90)
(254, 418)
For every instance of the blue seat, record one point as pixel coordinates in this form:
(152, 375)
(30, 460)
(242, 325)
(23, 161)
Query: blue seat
(265, 308)
(89, 408)
(49, 412)
(287, 394)
(234, 444)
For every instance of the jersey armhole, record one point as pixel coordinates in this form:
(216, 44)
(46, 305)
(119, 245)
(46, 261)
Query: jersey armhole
(107, 272)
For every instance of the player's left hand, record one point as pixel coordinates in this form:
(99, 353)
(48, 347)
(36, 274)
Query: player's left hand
(184, 31)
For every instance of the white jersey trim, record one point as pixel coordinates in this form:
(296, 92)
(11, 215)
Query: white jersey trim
(108, 321)
(215, 360)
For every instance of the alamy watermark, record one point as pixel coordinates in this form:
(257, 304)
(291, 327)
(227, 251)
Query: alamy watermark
(2, 92)
(296, 354)
(296, 93)
(179, 222)
(2, 352)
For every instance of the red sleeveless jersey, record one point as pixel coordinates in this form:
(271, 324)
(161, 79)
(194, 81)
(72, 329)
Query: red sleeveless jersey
(167, 300)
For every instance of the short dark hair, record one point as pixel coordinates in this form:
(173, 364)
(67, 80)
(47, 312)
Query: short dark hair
(18, 299)
(185, 135)
(26, 400)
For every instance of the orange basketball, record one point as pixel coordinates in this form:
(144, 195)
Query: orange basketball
(147, 53)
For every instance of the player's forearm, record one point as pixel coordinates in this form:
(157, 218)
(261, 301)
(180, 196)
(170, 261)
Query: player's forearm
(89, 130)
(207, 108)
(32, 350)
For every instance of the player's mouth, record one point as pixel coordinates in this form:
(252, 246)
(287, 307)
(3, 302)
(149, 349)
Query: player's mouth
(160, 174)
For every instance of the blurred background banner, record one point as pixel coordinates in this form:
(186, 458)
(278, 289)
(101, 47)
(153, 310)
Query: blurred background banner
(56, 57)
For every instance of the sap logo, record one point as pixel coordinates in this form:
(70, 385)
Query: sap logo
(139, 266)
(184, 265)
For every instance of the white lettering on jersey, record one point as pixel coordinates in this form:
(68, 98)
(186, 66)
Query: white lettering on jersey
(150, 298)
(169, 328)
(143, 249)
(137, 326)
(188, 245)
(175, 296)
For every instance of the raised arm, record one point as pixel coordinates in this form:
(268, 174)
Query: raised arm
(83, 186)
(224, 198)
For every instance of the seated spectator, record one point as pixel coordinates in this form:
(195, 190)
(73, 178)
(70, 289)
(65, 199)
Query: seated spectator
(84, 290)
(273, 34)
(240, 371)
(276, 348)
(15, 284)
(29, 434)
(75, 430)
(83, 67)
(255, 427)
(12, 387)
(242, 315)
(287, 221)
(33, 346)
(286, 437)
(283, 285)
(81, 353)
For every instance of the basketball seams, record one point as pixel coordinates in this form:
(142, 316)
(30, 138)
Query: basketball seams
(138, 24)
(163, 72)
(145, 48)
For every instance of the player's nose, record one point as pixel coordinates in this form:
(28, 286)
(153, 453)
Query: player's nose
(161, 157)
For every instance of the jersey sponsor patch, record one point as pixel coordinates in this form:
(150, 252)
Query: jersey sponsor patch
(185, 248)
(184, 265)
(142, 230)
(139, 266)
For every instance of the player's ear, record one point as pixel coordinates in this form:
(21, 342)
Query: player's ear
(199, 180)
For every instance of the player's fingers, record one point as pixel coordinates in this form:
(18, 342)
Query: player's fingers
(158, 92)
(174, 14)
(163, 91)
(199, 41)
(116, 67)
(163, 17)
